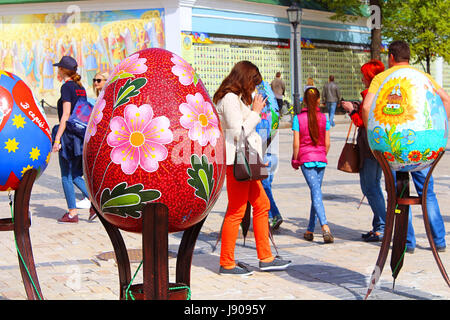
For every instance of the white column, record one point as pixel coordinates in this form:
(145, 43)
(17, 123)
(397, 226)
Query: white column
(439, 71)
(172, 27)
(178, 18)
(186, 14)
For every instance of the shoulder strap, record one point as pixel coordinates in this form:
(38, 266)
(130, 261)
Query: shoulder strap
(348, 133)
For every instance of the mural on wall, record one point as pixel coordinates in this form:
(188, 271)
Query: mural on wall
(98, 40)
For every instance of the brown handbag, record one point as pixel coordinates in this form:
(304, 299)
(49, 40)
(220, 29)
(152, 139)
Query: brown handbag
(349, 159)
(248, 164)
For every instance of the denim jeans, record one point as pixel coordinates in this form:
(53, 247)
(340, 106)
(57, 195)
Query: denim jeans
(72, 173)
(267, 183)
(434, 214)
(331, 111)
(370, 177)
(314, 177)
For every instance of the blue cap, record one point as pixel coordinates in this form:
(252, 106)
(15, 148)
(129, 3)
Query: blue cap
(67, 62)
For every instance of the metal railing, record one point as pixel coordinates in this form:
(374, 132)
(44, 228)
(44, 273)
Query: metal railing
(45, 103)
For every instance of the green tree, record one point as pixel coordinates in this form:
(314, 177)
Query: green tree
(345, 10)
(425, 25)
(351, 10)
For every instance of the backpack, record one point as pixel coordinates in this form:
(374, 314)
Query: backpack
(78, 120)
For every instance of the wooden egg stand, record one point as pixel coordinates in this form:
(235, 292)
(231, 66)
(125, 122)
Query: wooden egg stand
(399, 198)
(155, 254)
(20, 225)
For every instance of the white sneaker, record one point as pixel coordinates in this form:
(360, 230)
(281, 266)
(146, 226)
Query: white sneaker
(84, 204)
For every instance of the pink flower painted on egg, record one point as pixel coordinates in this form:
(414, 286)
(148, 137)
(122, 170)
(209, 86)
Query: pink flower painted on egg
(186, 74)
(199, 118)
(128, 68)
(138, 139)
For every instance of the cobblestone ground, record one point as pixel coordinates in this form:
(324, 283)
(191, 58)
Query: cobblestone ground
(71, 259)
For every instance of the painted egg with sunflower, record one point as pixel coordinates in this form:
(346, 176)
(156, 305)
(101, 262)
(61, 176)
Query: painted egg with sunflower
(407, 120)
(24, 132)
(154, 136)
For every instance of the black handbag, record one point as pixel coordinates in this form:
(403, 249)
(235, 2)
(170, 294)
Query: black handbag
(248, 164)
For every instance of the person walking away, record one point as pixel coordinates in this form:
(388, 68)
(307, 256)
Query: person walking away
(271, 158)
(271, 140)
(331, 96)
(310, 149)
(309, 84)
(370, 170)
(278, 88)
(68, 145)
(237, 110)
(398, 57)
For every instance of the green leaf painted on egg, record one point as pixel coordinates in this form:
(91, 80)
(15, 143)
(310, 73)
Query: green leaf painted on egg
(128, 90)
(124, 200)
(127, 201)
(201, 176)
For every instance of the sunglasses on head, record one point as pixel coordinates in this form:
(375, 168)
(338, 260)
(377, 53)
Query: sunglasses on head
(97, 80)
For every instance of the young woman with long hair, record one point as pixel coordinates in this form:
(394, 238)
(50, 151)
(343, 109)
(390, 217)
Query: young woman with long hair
(68, 146)
(237, 109)
(310, 149)
(98, 82)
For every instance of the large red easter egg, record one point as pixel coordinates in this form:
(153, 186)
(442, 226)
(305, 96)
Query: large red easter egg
(154, 136)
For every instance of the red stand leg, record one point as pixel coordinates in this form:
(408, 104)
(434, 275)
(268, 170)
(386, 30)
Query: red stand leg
(155, 247)
(427, 223)
(155, 256)
(20, 225)
(401, 215)
(401, 221)
(122, 259)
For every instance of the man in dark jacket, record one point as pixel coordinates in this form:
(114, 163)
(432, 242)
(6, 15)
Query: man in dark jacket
(278, 88)
(331, 96)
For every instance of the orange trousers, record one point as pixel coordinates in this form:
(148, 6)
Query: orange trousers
(239, 193)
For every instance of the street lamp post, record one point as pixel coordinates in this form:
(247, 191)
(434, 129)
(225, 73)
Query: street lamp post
(294, 13)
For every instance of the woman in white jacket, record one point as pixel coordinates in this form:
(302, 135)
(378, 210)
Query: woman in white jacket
(237, 109)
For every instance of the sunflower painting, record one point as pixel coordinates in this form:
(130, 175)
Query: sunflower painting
(396, 102)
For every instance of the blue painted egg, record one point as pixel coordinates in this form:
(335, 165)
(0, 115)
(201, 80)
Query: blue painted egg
(270, 114)
(25, 140)
(407, 121)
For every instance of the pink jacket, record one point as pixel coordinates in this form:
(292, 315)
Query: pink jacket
(309, 152)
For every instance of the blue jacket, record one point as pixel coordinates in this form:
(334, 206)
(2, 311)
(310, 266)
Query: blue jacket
(71, 145)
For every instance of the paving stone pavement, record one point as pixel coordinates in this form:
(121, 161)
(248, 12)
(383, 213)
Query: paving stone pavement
(69, 267)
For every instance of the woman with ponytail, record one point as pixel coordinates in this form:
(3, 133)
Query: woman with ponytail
(68, 145)
(310, 149)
